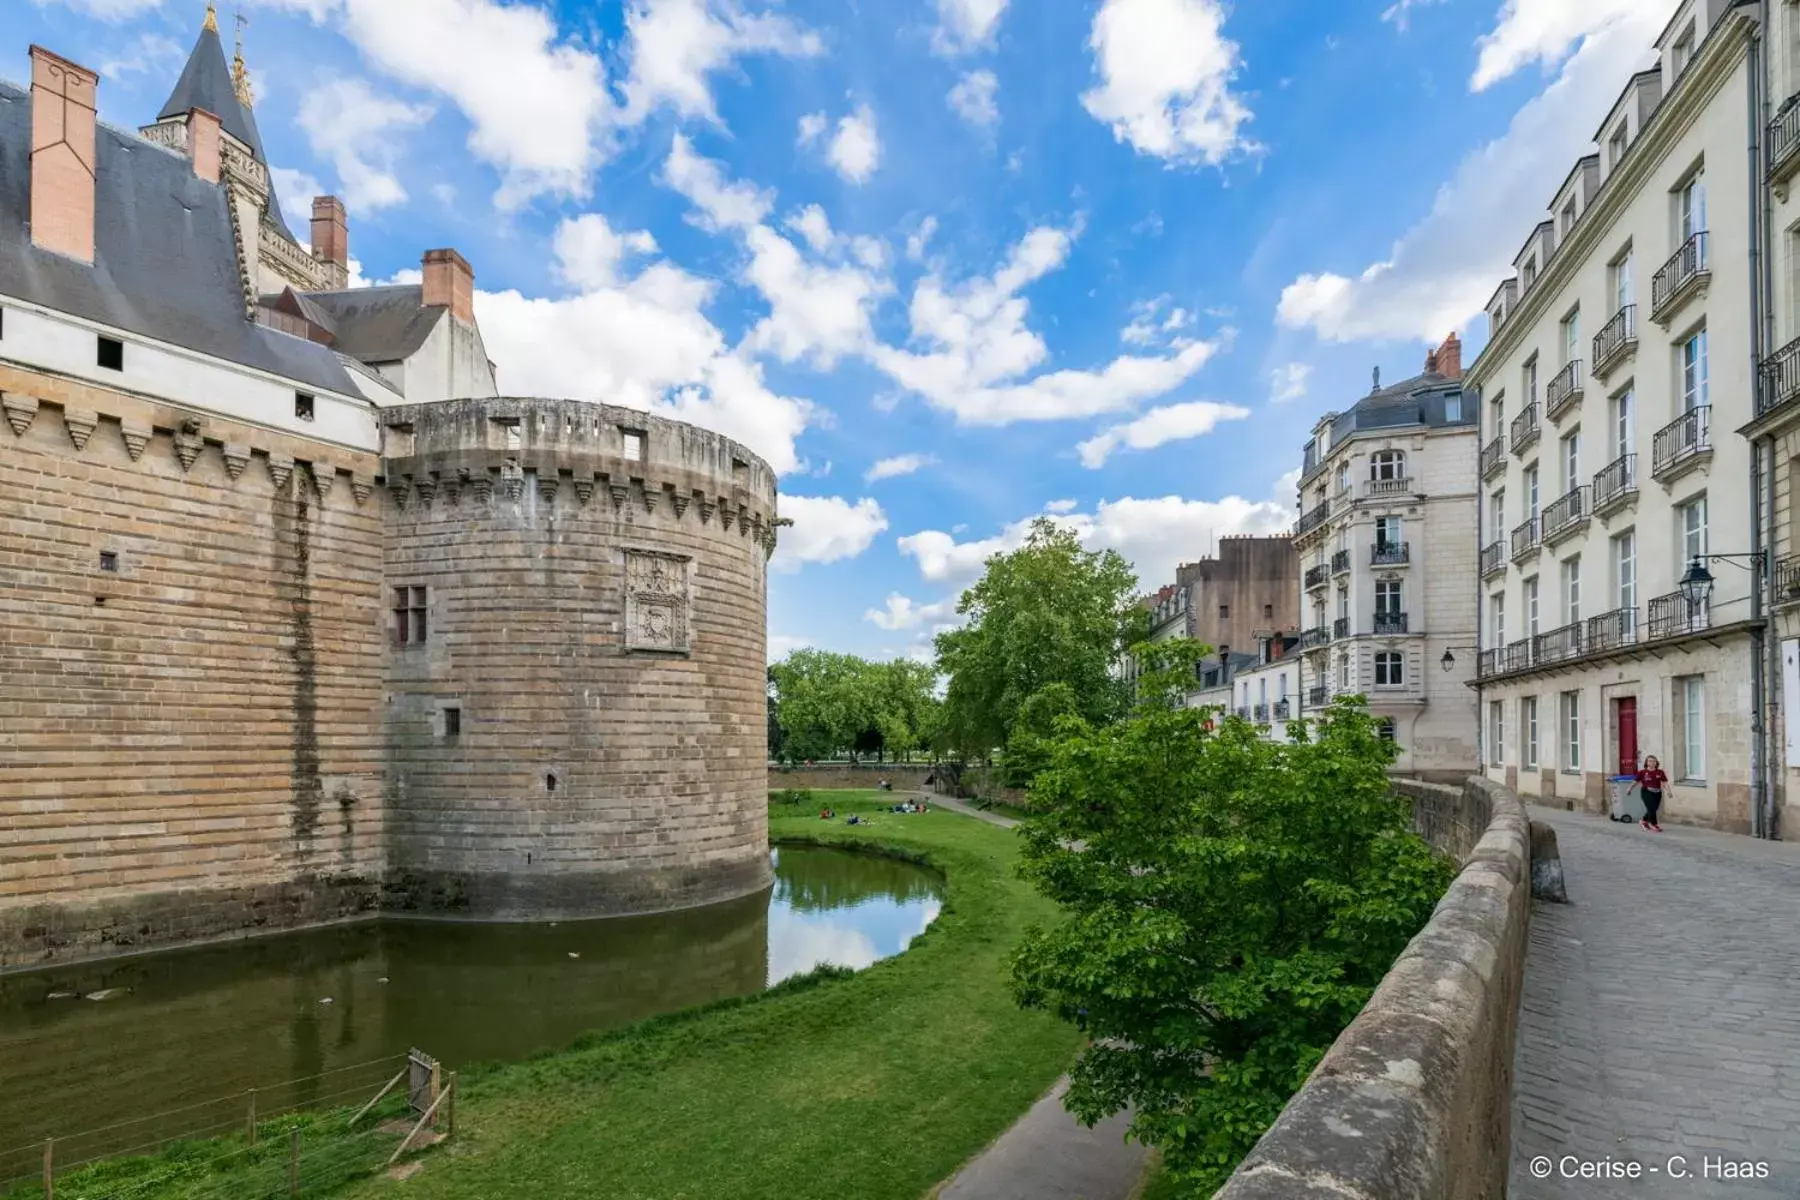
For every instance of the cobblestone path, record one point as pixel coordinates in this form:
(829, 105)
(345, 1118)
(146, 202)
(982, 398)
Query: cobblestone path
(1661, 1016)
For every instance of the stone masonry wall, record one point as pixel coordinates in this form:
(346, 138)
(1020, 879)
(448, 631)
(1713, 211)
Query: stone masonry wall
(189, 644)
(848, 777)
(1412, 1102)
(597, 623)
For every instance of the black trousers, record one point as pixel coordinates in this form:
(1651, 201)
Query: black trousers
(1652, 803)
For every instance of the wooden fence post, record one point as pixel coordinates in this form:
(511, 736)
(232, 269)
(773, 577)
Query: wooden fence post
(451, 1117)
(49, 1168)
(294, 1161)
(250, 1126)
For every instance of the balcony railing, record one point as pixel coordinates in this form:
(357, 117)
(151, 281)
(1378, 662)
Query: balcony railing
(1493, 455)
(1316, 576)
(1390, 622)
(1484, 663)
(1312, 519)
(1388, 487)
(1787, 580)
(1563, 389)
(1493, 558)
(1283, 710)
(1558, 644)
(1672, 616)
(1340, 562)
(1778, 382)
(1615, 338)
(1389, 554)
(1677, 278)
(1525, 428)
(1262, 714)
(1340, 628)
(1611, 630)
(1318, 696)
(1243, 710)
(1525, 539)
(1516, 656)
(1784, 137)
(1318, 635)
(1681, 441)
(1567, 515)
(1615, 484)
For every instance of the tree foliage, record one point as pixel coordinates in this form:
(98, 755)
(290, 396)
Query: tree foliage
(1232, 903)
(1047, 613)
(824, 703)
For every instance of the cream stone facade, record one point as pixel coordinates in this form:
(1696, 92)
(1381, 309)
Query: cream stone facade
(1387, 499)
(1616, 376)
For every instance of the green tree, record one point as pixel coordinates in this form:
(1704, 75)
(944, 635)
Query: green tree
(1047, 613)
(1232, 903)
(824, 703)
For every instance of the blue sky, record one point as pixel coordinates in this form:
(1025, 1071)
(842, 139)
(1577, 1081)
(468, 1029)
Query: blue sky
(946, 264)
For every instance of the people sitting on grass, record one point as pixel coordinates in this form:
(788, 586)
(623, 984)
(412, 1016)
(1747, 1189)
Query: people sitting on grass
(825, 814)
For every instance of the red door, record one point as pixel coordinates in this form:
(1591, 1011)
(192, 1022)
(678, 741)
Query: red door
(1625, 708)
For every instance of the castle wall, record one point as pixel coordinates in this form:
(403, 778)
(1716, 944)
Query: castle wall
(597, 626)
(189, 729)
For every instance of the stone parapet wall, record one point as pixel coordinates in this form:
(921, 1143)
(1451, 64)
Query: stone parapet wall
(1413, 1100)
(850, 776)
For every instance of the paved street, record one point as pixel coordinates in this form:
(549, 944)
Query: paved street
(1662, 1013)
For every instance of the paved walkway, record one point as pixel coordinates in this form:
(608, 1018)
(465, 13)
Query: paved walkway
(1661, 1015)
(1047, 1154)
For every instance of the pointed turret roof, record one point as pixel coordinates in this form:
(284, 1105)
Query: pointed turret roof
(206, 82)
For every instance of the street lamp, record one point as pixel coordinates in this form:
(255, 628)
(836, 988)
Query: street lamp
(1697, 585)
(1448, 662)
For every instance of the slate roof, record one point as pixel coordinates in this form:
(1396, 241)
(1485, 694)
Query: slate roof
(165, 262)
(206, 83)
(378, 324)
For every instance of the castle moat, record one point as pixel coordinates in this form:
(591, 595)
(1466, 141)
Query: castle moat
(83, 1047)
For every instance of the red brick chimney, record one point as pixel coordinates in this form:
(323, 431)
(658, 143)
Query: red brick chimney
(450, 283)
(203, 143)
(1446, 360)
(63, 99)
(331, 232)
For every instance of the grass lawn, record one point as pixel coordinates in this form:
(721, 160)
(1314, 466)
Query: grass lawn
(877, 1084)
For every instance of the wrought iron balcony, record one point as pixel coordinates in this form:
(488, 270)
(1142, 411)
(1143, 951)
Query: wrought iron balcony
(1340, 562)
(1243, 710)
(1312, 519)
(1315, 637)
(1682, 444)
(1616, 339)
(1778, 380)
(1318, 696)
(1389, 554)
(1615, 485)
(1262, 714)
(1484, 663)
(1672, 616)
(1558, 644)
(1784, 139)
(1567, 517)
(1493, 455)
(1787, 580)
(1340, 628)
(1493, 558)
(1317, 576)
(1563, 390)
(1611, 630)
(1525, 540)
(1686, 272)
(1283, 710)
(1390, 622)
(1525, 429)
(1375, 488)
(1516, 656)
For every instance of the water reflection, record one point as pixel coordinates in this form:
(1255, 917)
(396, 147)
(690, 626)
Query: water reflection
(195, 1024)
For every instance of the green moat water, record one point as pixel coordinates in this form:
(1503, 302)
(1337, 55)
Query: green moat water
(189, 1026)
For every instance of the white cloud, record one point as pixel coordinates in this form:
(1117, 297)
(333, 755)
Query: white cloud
(1150, 325)
(1442, 270)
(107, 10)
(920, 238)
(897, 466)
(1288, 382)
(589, 251)
(1154, 534)
(855, 149)
(676, 45)
(826, 529)
(973, 98)
(149, 54)
(723, 204)
(1054, 506)
(296, 189)
(1158, 427)
(356, 129)
(966, 25)
(1166, 69)
(1399, 13)
(1543, 31)
(902, 612)
(812, 127)
(783, 644)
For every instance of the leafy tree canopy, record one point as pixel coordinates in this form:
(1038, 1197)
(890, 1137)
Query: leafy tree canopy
(823, 703)
(1232, 903)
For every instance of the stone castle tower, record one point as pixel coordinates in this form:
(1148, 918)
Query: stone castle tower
(302, 619)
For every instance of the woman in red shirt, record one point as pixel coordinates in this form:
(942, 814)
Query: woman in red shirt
(1650, 781)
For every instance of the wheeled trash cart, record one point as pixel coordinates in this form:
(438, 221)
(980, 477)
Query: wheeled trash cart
(1627, 800)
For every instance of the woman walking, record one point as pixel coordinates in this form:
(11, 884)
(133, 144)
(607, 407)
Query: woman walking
(1650, 781)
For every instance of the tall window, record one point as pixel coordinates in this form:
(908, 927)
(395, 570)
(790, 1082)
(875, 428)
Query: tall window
(1387, 531)
(1531, 491)
(1566, 222)
(1690, 525)
(1497, 512)
(1571, 335)
(1388, 669)
(1387, 465)
(1343, 477)
(1497, 414)
(1531, 606)
(1571, 584)
(1497, 618)
(409, 616)
(1571, 461)
(1387, 598)
(1453, 407)
(1624, 562)
(1528, 381)
(1570, 702)
(1690, 708)
(1693, 372)
(1496, 732)
(1528, 733)
(1343, 609)
(1621, 281)
(1343, 672)
(1615, 146)
(1690, 206)
(1624, 423)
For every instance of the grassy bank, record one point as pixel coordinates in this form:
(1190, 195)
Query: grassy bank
(877, 1084)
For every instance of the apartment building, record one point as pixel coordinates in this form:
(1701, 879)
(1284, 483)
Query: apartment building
(1612, 463)
(1387, 496)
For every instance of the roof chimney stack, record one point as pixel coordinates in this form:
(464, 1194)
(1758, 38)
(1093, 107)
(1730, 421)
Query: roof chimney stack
(63, 99)
(1449, 358)
(203, 144)
(331, 238)
(450, 283)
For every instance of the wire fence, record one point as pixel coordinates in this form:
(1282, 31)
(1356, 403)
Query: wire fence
(298, 1137)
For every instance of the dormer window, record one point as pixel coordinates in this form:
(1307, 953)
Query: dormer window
(1681, 53)
(633, 444)
(1615, 146)
(1528, 276)
(1566, 222)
